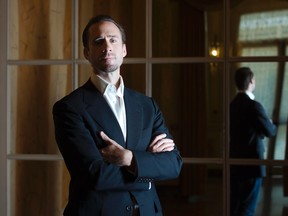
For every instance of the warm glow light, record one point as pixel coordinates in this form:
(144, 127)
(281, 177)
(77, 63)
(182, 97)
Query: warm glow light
(214, 52)
(214, 48)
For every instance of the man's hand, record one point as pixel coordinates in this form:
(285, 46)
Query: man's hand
(115, 153)
(161, 144)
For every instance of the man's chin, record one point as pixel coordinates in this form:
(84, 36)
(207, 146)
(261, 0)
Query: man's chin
(110, 69)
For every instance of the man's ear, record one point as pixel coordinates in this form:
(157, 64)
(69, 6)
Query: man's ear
(124, 50)
(86, 53)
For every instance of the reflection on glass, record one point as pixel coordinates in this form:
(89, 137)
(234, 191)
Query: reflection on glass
(33, 91)
(264, 25)
(280, 142)
(191, 99)
(186, 28)
(266, 74)
(38, 188)
(252, 26)
(249, 122)
(200, 192)
(259, 51)
(283, 115)
(214, 49)
(273, 196)
(281, 150)
(271, 92)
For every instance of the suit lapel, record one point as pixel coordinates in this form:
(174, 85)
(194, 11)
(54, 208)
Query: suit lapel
(101, 112)
(134, 120)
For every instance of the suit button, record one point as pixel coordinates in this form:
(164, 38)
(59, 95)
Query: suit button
(128, 208)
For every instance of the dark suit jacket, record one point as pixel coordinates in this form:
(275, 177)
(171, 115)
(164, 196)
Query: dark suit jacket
(249, 124)
(100, 188)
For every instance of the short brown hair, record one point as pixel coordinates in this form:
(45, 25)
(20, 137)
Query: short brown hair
(243, 76)
(97, 19)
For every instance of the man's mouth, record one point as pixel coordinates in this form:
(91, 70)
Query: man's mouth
(106, 57)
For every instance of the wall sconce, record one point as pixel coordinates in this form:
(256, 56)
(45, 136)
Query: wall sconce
(214, 49)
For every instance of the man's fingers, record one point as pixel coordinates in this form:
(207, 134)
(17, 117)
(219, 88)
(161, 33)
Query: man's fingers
(157, 138)
(104, 136)
(111, 144)
(163, 142)
(107, 139)
(163, 145)
(168, 148)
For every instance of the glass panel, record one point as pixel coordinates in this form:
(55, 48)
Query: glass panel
(271, 92)
(133, 75)
(281, 139)
(273, 195)
(258, 23)
(266, 74)
(191, 99)
(198, 191)
(284, 103)
(39, 29)
(134, 23)
(38, 188)
(187, 28)
(85, 71)
(33, 91)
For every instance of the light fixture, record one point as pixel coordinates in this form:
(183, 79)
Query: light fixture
(214, 48)
(214, 52)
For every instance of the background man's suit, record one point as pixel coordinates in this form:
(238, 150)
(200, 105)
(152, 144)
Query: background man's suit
(99, 187)
(249, 124)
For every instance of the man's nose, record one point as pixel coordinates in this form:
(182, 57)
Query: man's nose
(107, 46)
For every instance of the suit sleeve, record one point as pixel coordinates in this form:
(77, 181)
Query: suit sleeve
(263, 123)
(158, 166)
(79, 146)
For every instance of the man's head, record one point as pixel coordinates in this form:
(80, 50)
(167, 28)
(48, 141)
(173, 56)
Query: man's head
(244, 79)
(104, 44)
(98, 19)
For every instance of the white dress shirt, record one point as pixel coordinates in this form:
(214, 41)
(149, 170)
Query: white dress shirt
(114, 97)
(250, 94)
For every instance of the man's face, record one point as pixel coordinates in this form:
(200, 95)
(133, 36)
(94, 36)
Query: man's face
(253, 84)
(105, 47)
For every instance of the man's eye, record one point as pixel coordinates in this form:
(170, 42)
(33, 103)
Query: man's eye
(98, 41)
(113, 40)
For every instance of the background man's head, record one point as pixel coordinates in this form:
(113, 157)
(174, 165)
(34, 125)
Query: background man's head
(243, 77)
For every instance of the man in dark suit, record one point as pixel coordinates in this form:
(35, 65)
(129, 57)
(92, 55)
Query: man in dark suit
(114, 140)
(249, 124)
